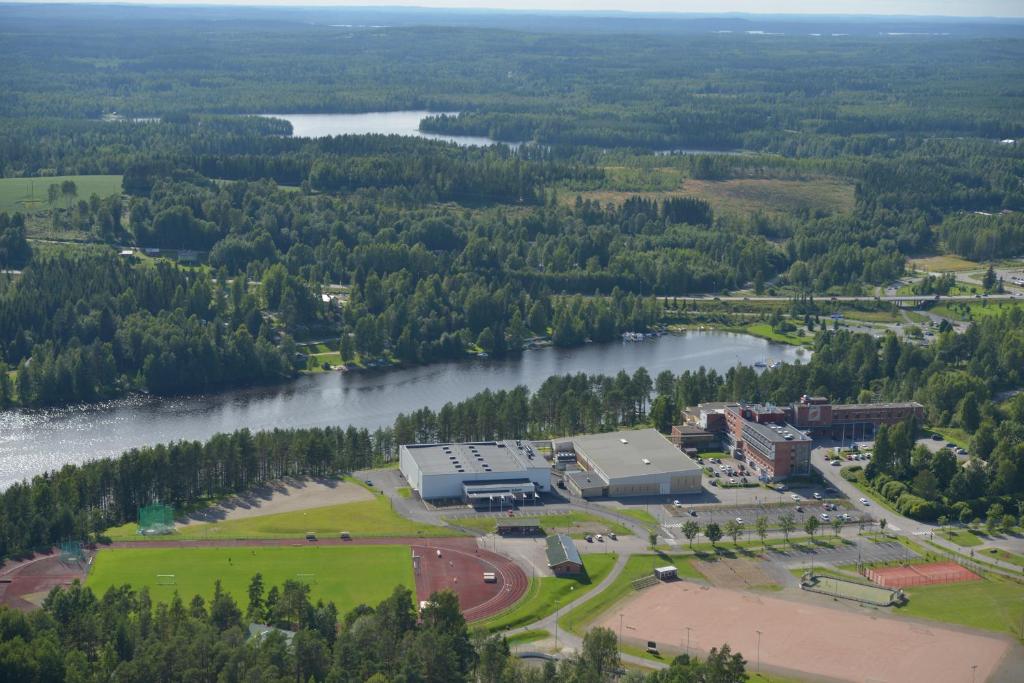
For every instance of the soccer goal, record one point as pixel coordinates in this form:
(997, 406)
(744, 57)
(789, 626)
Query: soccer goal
(166, 580)
(308, 579)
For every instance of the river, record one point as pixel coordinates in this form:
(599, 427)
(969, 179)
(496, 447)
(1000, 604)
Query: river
(376, 123)
(33, 441)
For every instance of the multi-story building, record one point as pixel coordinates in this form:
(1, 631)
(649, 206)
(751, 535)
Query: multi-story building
(774, 448)
(850, 420)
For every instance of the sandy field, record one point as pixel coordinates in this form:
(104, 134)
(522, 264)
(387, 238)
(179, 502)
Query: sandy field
(821, 641)
(284, 496)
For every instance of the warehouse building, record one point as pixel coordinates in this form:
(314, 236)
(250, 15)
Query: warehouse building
(491, 474)
(629, 463)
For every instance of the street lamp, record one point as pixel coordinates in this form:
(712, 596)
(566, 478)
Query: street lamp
(758, 651)
(974, 673)
(687, 641)
(620, 629)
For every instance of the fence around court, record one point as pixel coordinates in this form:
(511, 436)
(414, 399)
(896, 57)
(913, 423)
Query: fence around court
(919, 575)
(850, 590)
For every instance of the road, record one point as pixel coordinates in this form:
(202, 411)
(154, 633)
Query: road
(888, 298)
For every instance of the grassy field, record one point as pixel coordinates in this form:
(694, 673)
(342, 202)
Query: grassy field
(367, 518)
(348, 575)
(576, 524)
(975, 309)
(993, 604)
(637, 566)
(549, 593)
(29, 194)
(642, 516)
(964, 538)
(531, 636)
(944, 264)
(737, 196)
(1004, 555)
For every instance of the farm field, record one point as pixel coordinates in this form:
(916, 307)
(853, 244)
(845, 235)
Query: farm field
(744, 195)
(944, 264)
(347, 575)
(367, 518)
(29, 194)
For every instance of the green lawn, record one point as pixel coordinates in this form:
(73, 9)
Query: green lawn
(367, 518)
(642, 516)
(993, 604)
(637, 566)
(1004, 555)
(348, 575)
(962, 537)
(29, 194)
(576, 524)
(974, 310)
(549, 593)
(765, 331)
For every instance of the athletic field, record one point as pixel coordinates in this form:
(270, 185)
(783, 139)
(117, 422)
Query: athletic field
(348, 575)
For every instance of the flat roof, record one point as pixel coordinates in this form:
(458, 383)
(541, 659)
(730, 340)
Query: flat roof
(586, 480)
(634, 453)
(776, 435)
(475, 458)
(869, 406)
(562, 549)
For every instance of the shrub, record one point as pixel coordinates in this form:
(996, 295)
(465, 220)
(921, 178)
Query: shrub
(893, 490)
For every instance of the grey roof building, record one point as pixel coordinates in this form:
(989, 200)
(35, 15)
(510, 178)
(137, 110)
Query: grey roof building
(563, 556)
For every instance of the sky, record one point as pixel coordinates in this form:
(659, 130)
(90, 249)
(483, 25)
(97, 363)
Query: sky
(961, 8)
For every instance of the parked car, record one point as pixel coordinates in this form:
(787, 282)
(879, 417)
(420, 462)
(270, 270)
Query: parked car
(846, 517)
(799, 508)
(599, 538)
(588, 538)
(732, 481)
(611, 535)
(677, 504)
(714, 482)
(693, 513)
(825, 517)
(864, 501)
(739, 520)
(780, 487)
(836, 463)
(368, 482)
(794, 496)
(817, 496)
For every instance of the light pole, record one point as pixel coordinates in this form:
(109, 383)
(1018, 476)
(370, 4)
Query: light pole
(620, 630)
(687, 641)
(556, 627)
(758, 651)
(974, 673)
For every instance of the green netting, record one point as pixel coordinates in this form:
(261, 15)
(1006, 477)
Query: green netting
(71, 551)
(156, 519)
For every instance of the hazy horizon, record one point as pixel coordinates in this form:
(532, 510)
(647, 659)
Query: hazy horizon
(909, 8)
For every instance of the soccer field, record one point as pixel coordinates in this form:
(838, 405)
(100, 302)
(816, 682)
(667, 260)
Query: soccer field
(348, 575)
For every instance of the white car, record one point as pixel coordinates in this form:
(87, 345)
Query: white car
(677, 503)
(739, 520)
(817, 496)
(864, 501)
(732, 481)
(794, 496)
(836, 463)
(846, 517)
(824, 516)
(723, 468)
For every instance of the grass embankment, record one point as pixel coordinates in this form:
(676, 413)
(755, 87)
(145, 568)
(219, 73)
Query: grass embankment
(576, 524)
(549, 593)
(964, 538)
(366, 518)
(944, 264)
(974, 310)
(765, 331)
(637, 566)
(346, 575)
(30, 194)
(531, 636)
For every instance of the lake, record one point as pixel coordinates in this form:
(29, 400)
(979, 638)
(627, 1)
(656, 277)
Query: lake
(33, 441)
(379, 123)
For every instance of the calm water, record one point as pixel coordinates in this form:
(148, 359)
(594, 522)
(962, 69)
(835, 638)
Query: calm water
(35, 441)
(380, 122)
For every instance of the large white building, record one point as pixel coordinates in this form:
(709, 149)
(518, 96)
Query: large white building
(630, 463)
(498, 472)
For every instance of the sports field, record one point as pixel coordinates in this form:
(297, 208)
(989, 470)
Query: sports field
(826, 643)
(30, 194)
(852, 590)
(362, 519)
(348, 575)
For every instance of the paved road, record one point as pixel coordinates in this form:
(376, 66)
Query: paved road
(889, 298)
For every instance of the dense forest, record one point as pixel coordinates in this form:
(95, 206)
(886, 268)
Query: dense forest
(125, 636)
(956, 380)
(427, 250)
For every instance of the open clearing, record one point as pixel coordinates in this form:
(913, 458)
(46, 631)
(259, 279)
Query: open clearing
(348, 575)
(993, 604)
(747, 195)
(820, 641)
(283, 497)
(30, 194)
(944, 264)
